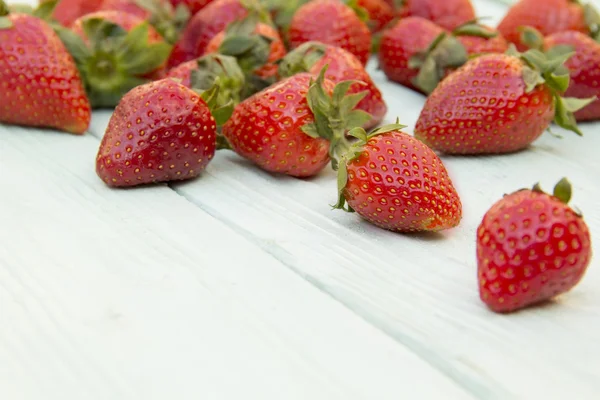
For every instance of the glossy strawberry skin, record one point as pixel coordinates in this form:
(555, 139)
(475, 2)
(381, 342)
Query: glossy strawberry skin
(404, 40)
(343, 66)
(331, 22)
(483, 108)
(160, 132)
(530, 248)
(67, 11)
(40, 83)
(193, 5)
(266, 129)
(206, 24)
(547, 16)
(277, 48)
(584, 67)
(380, 13)
(183, 72)
(399, 184)
(449, 14)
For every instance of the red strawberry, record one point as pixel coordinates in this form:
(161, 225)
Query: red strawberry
(202, 74)
(497, 103)
(379, 12)
(256, 46)
(293, 126)
(531, 247)
(39, 81)
(584, 69)
(203, 26)
(67, 11)
(115, 52)
(161, 131)
(419, 54)
(126, 6)
(342, 66)
(547, 16)
(331, 22)
(449, 14)
(193, 5)
(397, 183)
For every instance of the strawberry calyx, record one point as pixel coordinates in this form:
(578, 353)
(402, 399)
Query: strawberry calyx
(282, 12)
(334, 115)
(563, 190)
(43, 11)
(474, 28)
(5, 22)
(360, 12)
(168, 20)
(302, 58)
(213, 68)
(592, 20)
(354, 151)
(446, 51)
(548, 69)
(113, 61)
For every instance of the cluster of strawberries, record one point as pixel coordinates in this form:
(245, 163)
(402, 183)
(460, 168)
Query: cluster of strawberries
(283, 83)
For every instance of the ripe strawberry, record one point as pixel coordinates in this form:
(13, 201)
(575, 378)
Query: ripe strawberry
(449, 14)
(39, 81)
(418, 53)
(193, 5)
(497, 103)
(331, 22)
(547, 16)
(161, 131)
(67, 11)
(397, 183)
(256, 46)
(203, 26)
(202, 74)
(115, 52)
(531, 247)
(294, 126)
(584, 69)
(379, 12)
(342, 66)
(126, 6)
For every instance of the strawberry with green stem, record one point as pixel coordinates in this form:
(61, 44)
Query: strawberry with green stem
(397, 183)
(584, 65)
(40, 83)
(449, 14)
(297, 126)
(114, 52)
(531, 247)
(498, 103)
(341, 66)
(160, 132)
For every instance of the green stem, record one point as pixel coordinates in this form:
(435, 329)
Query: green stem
(222, 143)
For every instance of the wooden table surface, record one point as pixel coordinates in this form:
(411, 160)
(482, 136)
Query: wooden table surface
(245, 285)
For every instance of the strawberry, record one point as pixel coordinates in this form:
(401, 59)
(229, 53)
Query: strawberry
(192, 5)
(449, 14)
(67, 11)
(209, 70)
(497, 103)
(294, 126)
(167, 20)
(531, 247)
(256, 45)
(203, 26)
(379, 12)
(342, 66)
(115, 52)
(418, 53)
(584, 65)
(397, 183)
(547, 16)
(331, 22)
(39, 80)
(161, 131)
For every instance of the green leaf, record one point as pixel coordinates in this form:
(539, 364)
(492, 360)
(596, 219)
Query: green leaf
(147, 60)
(102, 33)
(563, 190)
(74, 44)
(565, 118)
(560, 83)
(428, 77)
(341, 89)
(349, 102)
(473, 29)
(310, 130)
(573, 104)
(357, 118)
(5, 23)
(342, 181)
(532, 79)
(386, 129)
(301, 59)
(532, 38)
(359, 133)
(223, 113)
(4, 10)
(237, 45)
(44, 10)
(559, 51)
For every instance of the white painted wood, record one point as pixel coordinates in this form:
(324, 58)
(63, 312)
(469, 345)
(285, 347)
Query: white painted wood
(242, 284)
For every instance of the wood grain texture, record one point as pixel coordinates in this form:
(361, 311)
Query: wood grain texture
(243, 284)
(129, 294)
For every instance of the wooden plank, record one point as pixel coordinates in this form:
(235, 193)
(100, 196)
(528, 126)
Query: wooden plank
(123, 294)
